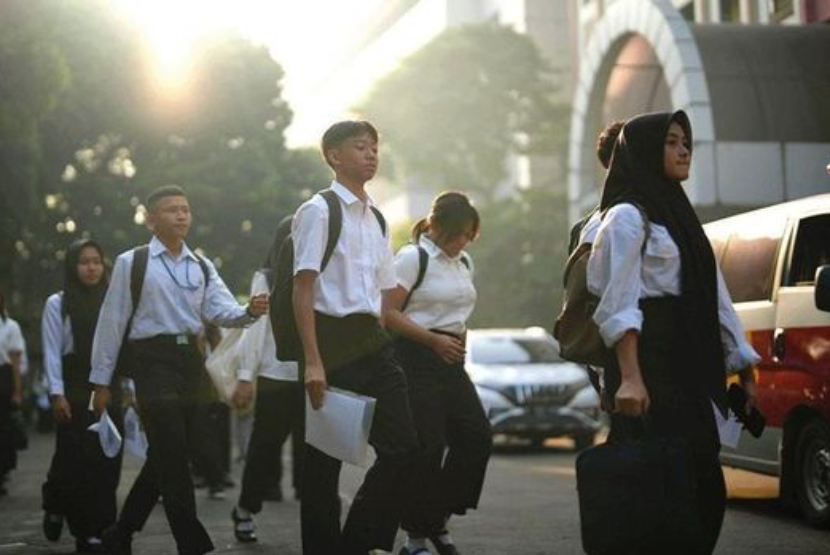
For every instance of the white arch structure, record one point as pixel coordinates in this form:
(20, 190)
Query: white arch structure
(664, 28)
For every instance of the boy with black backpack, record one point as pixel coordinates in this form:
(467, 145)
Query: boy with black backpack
(155, 305)
(337, 290)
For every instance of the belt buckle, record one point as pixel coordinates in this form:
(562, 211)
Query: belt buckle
(181, 339)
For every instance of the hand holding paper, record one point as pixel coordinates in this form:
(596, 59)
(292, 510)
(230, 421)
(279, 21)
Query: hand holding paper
(340, 428)
(108, 435)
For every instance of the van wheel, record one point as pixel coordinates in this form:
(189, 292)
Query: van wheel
(812, 470)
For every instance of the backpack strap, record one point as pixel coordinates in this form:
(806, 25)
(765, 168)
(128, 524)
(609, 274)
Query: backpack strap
(423, 262)
(466, 261)
(141, 256)
(335, 225)
(205, 269)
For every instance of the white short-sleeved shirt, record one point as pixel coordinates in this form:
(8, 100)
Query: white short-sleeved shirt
(361, 265)
(11, 340)
(620, 274)
(446, 297)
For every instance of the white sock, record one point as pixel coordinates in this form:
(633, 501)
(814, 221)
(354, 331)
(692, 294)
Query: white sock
(414, 544)
(242, 513)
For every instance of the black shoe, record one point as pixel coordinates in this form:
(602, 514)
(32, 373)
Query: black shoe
(85, 546)
(52, 526)
(116, 542)
(444, 548)
(243, 528)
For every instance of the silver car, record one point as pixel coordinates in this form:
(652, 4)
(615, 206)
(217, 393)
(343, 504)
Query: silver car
(528, 391)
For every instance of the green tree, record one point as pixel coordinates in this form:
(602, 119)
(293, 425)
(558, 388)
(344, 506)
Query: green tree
(519, 259)
(453, 111)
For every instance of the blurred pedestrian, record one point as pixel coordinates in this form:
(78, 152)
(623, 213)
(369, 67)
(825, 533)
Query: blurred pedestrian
(82, 481)
(12, 347)
(179, 288)
(429, 310)
(338, 312)
(665, 311)
(279, 408)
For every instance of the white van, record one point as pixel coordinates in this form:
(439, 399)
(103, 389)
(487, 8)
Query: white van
(775, 263)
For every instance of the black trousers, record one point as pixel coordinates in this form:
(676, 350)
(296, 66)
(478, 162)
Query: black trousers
(677, 410)
(81, 483)
(167, 378)
(8, 452)
(377, 508)
(455, 435)
(279, 411)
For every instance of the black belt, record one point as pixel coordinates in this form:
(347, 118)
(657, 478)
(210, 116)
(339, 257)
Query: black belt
(169, 340)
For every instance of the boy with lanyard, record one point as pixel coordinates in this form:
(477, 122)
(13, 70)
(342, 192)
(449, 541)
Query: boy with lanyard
(338, 318)
(180, 289)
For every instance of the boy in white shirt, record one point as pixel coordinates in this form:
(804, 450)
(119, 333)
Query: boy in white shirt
(344, 345)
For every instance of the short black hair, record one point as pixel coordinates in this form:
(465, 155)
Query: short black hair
(341, 131)
(166, 191)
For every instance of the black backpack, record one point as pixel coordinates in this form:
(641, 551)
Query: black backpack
(286, 335)
(423, 262)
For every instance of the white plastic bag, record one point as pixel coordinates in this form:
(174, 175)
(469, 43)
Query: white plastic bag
(223, 364)
(108, 435)
(135, 440)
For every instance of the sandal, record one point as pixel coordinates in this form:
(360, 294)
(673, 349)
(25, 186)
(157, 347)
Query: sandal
(243, 528)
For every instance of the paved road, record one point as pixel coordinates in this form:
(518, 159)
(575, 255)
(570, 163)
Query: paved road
(529, 508)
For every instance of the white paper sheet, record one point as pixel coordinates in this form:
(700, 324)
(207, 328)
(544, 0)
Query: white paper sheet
(729, 429)
(340, 428)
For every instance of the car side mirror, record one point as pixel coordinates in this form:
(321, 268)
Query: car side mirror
(822, 293)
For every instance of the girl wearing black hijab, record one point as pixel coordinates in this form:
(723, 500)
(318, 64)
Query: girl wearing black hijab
(81, 482)
(664, 308)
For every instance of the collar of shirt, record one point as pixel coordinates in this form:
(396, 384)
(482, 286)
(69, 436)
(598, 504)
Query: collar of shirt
(347, 196)
(157, 248)
(434, 251)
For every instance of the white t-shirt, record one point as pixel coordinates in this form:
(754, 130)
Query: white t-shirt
(361, 265)
(446, 297)
(11, 340)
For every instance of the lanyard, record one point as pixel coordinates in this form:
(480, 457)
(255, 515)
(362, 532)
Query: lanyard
(190, 286)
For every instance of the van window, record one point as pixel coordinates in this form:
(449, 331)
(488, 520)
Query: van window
(812, 249)
(748, 264)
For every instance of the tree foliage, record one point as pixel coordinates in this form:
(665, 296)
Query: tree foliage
(102, 134)
(453, 111)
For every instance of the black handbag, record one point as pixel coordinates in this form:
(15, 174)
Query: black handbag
(637, 496)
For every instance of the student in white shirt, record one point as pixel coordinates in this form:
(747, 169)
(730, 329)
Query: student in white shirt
(81, 482)
(179, 290)
(12, 347)
(664, 309)
(431, 318)
(279, 409)
(338, 315)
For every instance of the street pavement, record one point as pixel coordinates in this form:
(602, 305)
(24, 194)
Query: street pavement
(529, 507)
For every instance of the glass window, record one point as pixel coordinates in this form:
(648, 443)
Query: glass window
(513, 350)
(748, 263)
(812, 249)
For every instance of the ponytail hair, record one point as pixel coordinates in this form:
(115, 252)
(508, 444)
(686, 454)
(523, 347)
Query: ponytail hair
(453, 214)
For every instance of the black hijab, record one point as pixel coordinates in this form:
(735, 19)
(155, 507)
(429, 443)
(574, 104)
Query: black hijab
(81, 302)
(269, 266)
(637, 175)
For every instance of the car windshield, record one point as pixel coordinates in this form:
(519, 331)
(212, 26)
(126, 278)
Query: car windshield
(513, 350)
